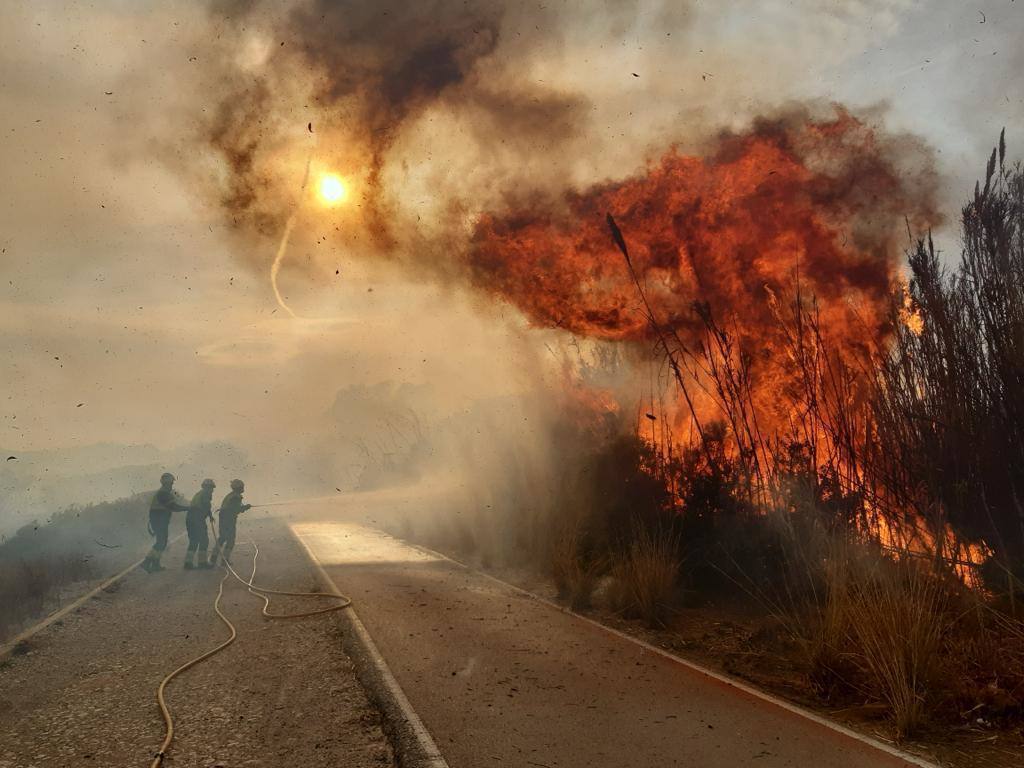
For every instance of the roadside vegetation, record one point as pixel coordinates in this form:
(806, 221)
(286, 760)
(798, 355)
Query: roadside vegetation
(41, 562)
(877, 537)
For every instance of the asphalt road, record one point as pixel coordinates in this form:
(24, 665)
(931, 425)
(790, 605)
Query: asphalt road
(500, 679)
(284, 695)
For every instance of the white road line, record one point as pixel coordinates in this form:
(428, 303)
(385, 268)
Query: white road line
(756, 693)
(434, 759)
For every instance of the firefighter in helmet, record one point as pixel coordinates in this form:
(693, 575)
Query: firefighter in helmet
(200, 510)
(163, 503)
(230, 509)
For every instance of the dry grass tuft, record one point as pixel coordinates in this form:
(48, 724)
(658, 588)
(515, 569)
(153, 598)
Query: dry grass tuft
(872, 626)
(896, 616)
(29, 587)
(645, 578)
(574, 571)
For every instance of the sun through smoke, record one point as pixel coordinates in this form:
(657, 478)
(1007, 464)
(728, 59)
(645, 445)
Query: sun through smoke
(332, 189)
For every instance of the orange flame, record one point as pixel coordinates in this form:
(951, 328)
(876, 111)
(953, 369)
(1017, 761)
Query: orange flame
(792, 207)
(791, 210)
(792, 200)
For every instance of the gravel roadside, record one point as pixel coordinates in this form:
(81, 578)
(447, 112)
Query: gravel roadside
(284, 694)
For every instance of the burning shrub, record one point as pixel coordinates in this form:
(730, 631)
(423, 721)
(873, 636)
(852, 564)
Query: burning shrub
(720, 531)
(620, 492)
(610, 497)
(853, 447)
(950, 404)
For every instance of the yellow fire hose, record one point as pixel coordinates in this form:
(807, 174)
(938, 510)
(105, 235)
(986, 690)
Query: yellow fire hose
(261, 592)
(168, 722)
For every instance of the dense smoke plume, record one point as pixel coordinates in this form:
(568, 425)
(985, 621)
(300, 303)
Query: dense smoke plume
(809, 197)
(363, 71)
(800, 194)
(130, 221)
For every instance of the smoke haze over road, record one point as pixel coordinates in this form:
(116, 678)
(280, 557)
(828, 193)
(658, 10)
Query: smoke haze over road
(153, 150)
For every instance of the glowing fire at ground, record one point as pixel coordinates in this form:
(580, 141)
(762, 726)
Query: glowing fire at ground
(796, 210)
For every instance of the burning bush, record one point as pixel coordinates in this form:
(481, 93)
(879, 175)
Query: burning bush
(950, 404)
(841, 446)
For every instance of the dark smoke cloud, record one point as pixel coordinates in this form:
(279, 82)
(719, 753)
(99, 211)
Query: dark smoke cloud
(236, 134)
(396, 59)
(370, 75)
(397, 56)
(364, 71)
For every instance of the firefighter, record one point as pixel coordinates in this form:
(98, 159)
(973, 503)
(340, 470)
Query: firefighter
(230, 509)
(200, 510)
(160, 509)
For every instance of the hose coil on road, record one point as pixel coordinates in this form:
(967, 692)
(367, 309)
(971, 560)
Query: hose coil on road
(261, 592)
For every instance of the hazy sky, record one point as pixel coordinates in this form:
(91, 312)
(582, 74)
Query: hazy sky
(130, 313)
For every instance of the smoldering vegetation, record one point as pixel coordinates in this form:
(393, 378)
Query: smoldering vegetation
(869, 545)
(36, 484)
(56, 535)
(45, 562)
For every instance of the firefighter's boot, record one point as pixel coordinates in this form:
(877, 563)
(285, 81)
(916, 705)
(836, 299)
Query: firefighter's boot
(152, 560)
